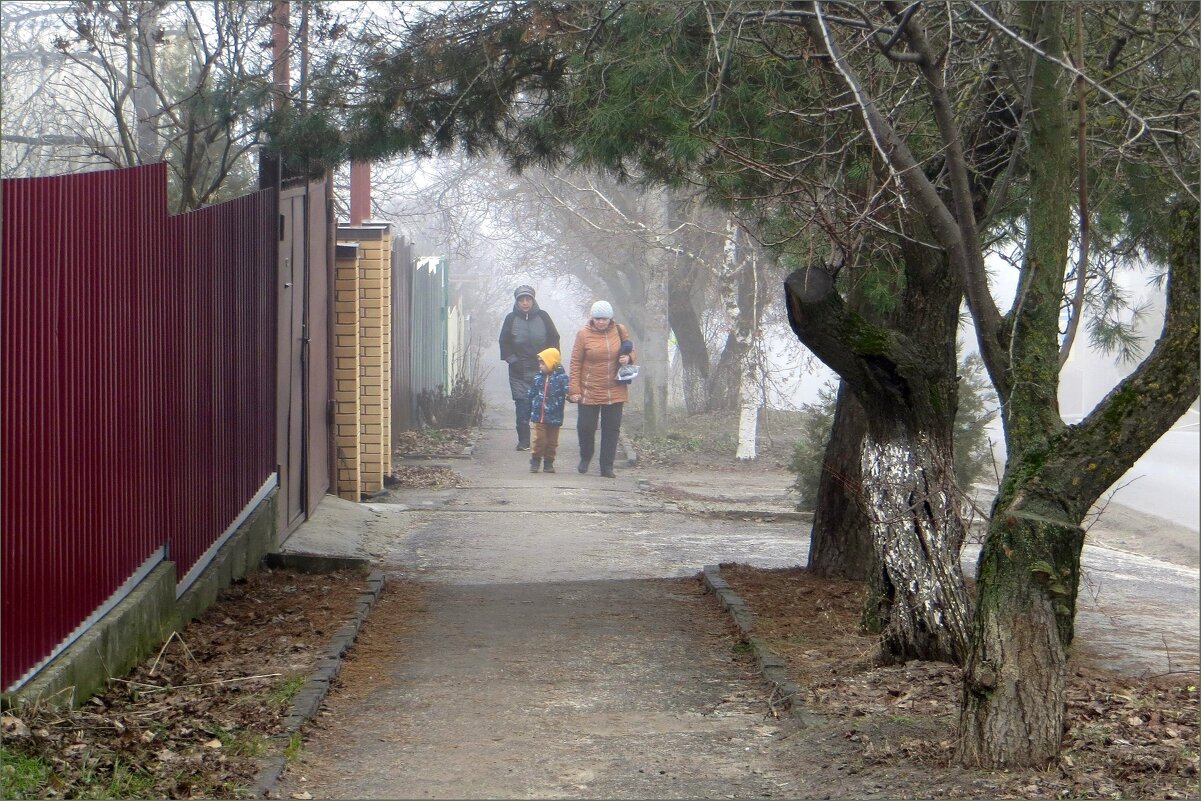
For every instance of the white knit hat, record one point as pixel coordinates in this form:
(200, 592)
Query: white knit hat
(602, 309)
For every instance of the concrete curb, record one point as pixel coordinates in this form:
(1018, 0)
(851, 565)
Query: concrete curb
(785, 692)
(308, 698)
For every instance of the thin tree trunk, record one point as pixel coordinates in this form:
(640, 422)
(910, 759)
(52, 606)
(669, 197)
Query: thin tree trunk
(750, 399)
(652, 351)
(694, 357)
(741, 284)
(145, 102)
(722, 387)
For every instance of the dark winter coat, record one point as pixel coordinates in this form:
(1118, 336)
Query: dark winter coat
(548, 394)
(522, 336)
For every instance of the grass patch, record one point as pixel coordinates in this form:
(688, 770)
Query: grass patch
(22, 776)
(283, 693)
(292, 751)
(243, 742)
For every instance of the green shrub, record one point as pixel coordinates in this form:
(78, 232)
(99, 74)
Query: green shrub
(817, 420)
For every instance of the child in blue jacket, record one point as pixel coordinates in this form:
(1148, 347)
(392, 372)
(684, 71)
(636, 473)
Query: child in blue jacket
(548, 394)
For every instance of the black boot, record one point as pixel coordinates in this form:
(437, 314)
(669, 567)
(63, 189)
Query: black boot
(548, 465)
(535, 463)
(583, 465)
(607, 472)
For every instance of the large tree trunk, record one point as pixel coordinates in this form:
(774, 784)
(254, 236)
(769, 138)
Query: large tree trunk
(1014, 682)
(905, 379)
(1016, 679)
(840, 545)
(917, 532)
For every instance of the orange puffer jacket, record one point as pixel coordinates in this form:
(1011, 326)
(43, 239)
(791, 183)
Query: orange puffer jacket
(594, 365)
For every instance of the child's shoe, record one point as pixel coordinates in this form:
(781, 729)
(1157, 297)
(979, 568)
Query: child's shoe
(535, 463)
(548, 466)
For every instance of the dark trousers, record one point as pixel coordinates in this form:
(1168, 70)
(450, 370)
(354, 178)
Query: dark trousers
(524, 409)
(609, 417)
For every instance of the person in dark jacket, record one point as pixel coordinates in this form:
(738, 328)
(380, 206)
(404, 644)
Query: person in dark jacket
(548, 395)
(526, 331)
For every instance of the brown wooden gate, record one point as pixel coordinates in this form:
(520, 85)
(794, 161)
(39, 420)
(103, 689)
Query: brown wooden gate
(302, 422)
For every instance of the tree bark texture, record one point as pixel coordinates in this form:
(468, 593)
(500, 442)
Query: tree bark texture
(840, 545)
(1015, 681)
(917, 530)
(690, 339)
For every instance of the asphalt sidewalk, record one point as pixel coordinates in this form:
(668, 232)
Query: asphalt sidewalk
(561, 653)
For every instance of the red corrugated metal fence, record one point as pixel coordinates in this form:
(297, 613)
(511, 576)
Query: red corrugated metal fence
(137, 391)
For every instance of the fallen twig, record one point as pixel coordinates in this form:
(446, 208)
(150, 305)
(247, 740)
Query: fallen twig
(218, 681)
(187, 651)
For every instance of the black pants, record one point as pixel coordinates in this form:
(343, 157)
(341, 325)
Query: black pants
(524, 408)
(609, 416)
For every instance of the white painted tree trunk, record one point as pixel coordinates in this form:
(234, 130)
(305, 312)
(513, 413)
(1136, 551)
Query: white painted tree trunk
(750, 401)
(743, 314)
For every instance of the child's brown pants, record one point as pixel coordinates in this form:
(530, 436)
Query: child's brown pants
(545, 442)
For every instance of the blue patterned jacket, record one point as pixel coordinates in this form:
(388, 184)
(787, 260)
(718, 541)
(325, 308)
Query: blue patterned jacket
(548, 393)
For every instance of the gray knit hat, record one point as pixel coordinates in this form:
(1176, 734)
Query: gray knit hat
(602, 309)
(524, 289)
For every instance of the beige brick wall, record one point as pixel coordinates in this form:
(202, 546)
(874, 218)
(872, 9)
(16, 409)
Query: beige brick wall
(347, 422)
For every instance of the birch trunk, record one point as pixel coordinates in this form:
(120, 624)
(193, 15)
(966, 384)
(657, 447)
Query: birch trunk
(740, 284)
(917, 531)
(750, 399)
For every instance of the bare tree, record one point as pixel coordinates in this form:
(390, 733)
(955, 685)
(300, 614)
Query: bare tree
(132, 82)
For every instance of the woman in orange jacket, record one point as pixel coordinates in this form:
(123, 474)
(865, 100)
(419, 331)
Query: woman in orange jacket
(595, 358)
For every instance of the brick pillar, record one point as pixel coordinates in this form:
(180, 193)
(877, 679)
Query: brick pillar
(346, 371)
(374, 242)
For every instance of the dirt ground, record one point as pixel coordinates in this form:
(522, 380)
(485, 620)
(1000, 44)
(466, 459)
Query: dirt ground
(890, 730)
(191, 720)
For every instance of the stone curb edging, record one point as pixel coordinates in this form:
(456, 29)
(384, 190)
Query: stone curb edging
(308, 698)
(785, 692)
